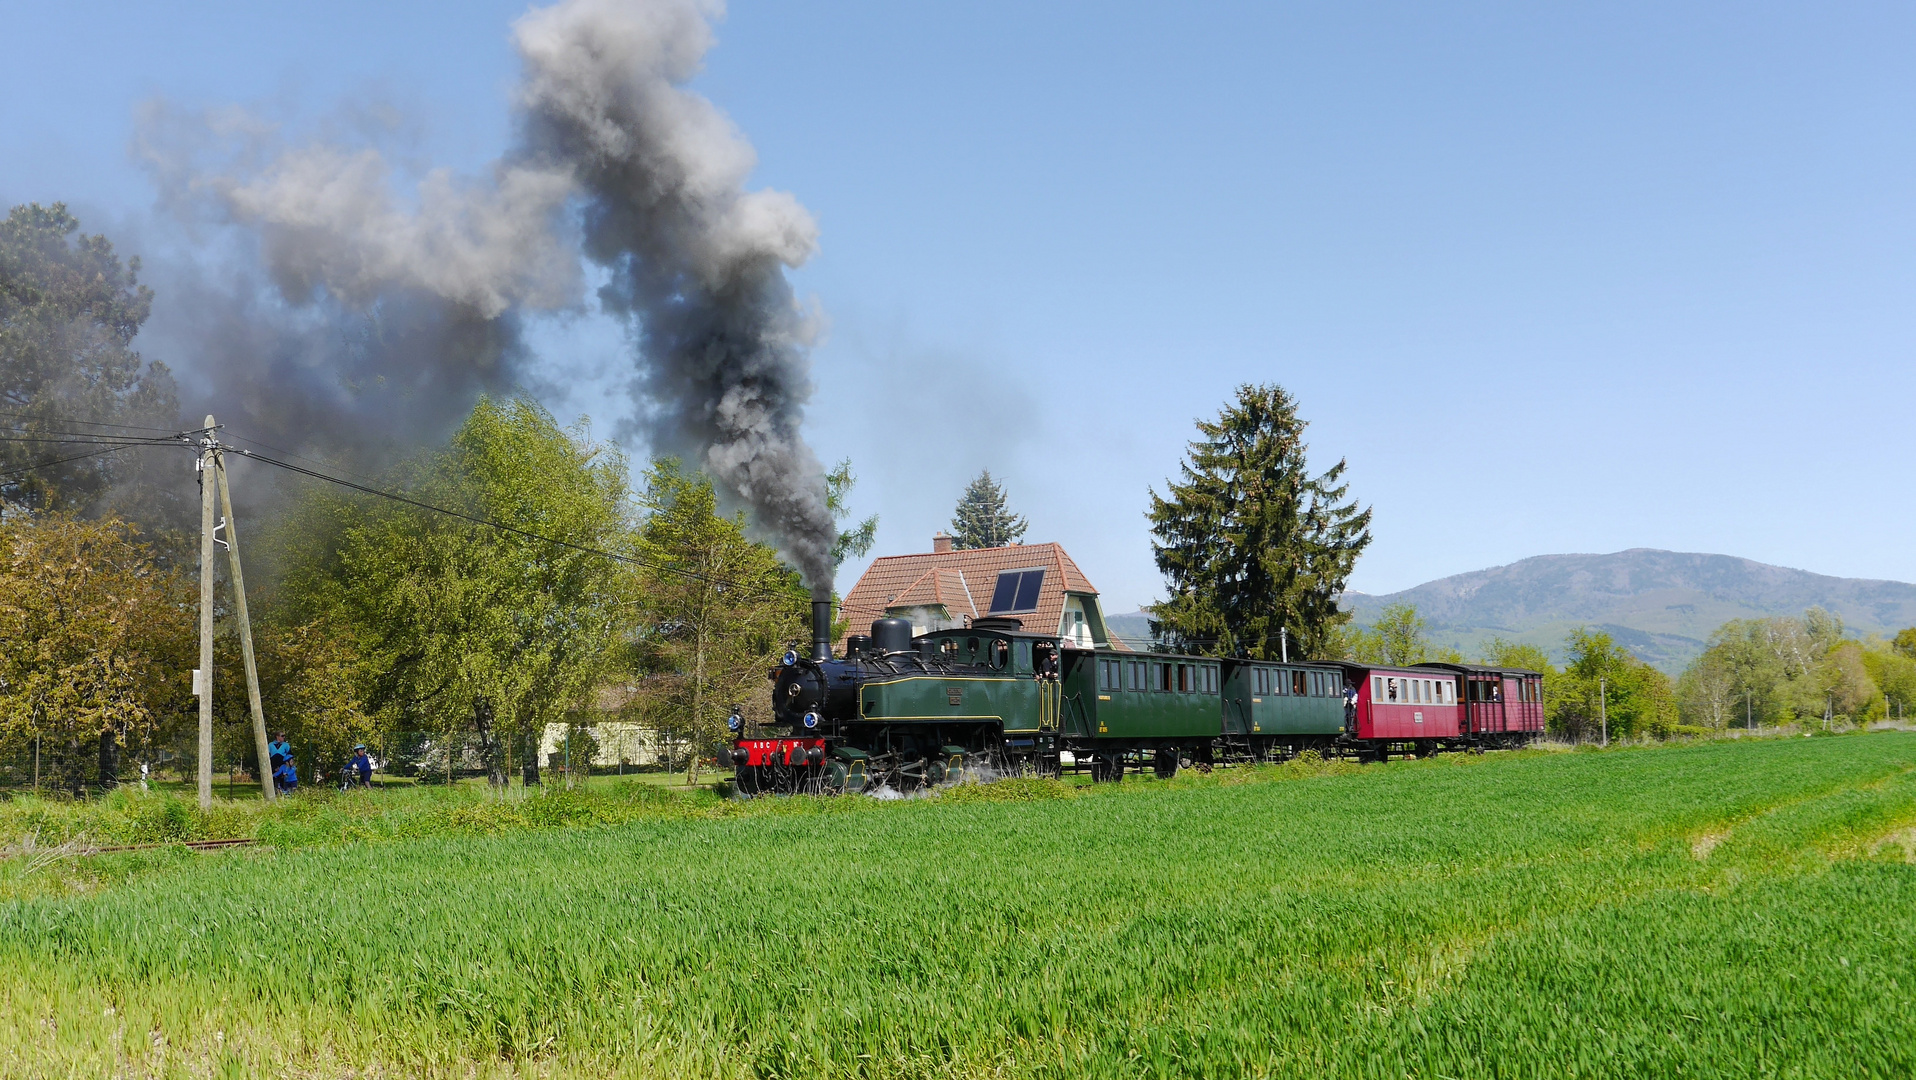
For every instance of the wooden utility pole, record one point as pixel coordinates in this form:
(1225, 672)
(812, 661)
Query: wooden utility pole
(205, 681)
(1603, 708)
(245, 630)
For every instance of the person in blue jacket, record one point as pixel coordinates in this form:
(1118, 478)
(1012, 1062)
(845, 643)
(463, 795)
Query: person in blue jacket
(361, 766)
(286, 777)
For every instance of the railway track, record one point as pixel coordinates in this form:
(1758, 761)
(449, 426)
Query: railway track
(79, 850)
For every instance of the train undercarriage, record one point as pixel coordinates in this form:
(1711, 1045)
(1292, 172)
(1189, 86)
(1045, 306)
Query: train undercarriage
(868, 759)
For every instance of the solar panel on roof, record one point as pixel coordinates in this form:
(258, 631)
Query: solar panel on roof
(1006, 592)
(1017, 590)
(1028, 590)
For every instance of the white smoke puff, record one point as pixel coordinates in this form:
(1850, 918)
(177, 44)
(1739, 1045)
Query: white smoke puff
(328, 217)
(697, 262)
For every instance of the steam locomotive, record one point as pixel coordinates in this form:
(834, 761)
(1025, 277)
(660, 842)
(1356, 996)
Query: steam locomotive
(904, 711)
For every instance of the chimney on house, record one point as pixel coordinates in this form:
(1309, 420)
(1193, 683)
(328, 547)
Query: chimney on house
(940, 543)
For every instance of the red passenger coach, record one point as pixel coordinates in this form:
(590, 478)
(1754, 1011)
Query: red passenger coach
(1400, 704)
(1502, 706)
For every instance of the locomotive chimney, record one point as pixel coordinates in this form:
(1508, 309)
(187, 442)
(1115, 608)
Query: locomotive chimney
(822, 624)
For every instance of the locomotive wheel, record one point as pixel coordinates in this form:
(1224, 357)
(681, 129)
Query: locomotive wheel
(1107, 770)
(1166, 764)
(745, 780)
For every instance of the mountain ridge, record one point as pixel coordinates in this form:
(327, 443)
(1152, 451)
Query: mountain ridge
(1661, 605)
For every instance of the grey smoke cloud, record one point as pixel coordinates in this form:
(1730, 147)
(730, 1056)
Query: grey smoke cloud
(697, 262)
(391, 316)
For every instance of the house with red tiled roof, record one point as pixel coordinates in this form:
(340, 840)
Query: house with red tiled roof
(1036, 584)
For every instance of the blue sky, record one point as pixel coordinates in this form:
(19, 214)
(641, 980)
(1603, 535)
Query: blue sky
(1551, 279)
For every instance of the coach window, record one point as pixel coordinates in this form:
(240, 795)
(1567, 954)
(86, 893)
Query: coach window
(1210, 680)
(1024, 656)
(1165, 675)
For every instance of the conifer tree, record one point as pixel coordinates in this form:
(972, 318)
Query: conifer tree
(69, 310)
(1249, 542)
(982, 520)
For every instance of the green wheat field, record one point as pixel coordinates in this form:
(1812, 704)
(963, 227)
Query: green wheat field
(1718, 909)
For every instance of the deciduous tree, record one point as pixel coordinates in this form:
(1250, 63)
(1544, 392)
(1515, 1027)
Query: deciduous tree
(1399, 636)
(719, 609)
(94, 640)
(1603, 686)
(462, 627)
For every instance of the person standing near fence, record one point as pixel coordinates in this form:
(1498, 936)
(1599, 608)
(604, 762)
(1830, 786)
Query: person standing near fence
(361, 766)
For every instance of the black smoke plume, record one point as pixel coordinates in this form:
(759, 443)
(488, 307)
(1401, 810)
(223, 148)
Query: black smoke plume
(345, 316)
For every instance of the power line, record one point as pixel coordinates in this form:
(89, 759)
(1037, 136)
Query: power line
(62, 461)
(502, 526)
(89, 423)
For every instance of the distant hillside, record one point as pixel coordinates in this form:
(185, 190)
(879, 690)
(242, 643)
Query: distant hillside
(1662, 605)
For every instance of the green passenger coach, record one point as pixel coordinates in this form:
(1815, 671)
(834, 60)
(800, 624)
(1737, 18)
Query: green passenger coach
(1272, 707)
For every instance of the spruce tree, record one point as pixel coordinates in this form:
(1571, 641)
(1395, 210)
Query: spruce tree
(1250, 542)
(983, 521)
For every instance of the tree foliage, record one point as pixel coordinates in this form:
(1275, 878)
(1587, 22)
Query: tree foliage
(854, 542)
(1795, 669)
(69, 311)
(456, 626)
(718, 608)
(983, 518)
(95, 635)
(1249, 541)
(1604, 688)
(1399, 636)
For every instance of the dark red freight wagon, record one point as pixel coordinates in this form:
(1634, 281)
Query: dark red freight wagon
(1402, 704)
(1502, 706)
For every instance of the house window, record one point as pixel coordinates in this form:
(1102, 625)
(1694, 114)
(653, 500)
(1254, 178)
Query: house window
(1017, 590)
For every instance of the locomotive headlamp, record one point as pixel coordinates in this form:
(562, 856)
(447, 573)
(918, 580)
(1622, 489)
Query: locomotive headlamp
(811, 719)
(790, 659)
(735, 723)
